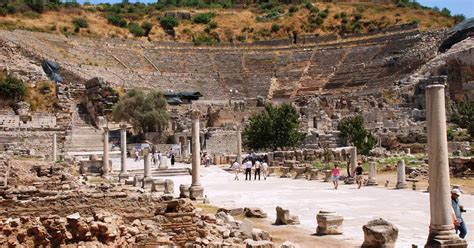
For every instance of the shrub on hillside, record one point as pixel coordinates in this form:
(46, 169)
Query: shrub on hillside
(116, 20)
(203, 18)
(136, 30)
(80, 22)
(293, 9)
(147, 28)
(168, 23)
(275, 27)
(12, 88)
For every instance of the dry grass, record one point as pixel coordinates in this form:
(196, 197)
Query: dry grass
(231, 22)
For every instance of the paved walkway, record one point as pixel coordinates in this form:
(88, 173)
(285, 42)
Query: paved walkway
(407, 209)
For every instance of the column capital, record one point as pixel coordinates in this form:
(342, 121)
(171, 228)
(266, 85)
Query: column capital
(195, 114)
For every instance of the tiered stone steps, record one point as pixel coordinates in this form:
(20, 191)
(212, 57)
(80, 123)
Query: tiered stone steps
(84, 139)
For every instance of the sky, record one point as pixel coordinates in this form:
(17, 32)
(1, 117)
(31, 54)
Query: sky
(465, 7)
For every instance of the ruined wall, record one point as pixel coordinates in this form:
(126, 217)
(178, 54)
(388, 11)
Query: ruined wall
(36, 143)
(222, 142)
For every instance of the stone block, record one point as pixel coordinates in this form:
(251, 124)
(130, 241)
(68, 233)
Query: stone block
(184, 190)
(254, 213)
(313, 174)
(288, 244)
(329, 223)
(300, 172)
(231, 211)
(158, 185)
(249, 243)
(284, 218)
(259, 234)
(379, 233)
(169, 186)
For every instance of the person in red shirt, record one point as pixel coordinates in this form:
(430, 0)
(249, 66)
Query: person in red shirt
(335, 176)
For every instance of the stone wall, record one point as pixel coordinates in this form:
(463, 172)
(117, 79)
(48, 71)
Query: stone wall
(37, 143)
(38, 120)
(222, 142)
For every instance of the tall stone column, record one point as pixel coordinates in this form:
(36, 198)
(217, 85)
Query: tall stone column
(105, 157)
(55, 148)
(196, 191)
(123, 152)
(441, 225)
(146, 165)
(239, 145)
(372, 174)
(353, 160)
(401, 178)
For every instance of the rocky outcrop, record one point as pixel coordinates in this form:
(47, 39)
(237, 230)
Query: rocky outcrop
(254, 213)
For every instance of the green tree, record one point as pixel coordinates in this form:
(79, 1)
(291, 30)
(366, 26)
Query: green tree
(276, 127)
(352, 130)
(168, 23)
(463, 115)
(12, 88)
(145, 111)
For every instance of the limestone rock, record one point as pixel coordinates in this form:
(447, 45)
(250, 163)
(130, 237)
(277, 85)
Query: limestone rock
(259, 234)
(284, 217)
(254, 213)
(258, 244)
(289, 244)
(379, 233)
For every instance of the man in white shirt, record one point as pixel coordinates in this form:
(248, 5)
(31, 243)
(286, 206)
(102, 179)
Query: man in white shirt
(265, 170)
(236, 168)
(248, 170)
(257, 170)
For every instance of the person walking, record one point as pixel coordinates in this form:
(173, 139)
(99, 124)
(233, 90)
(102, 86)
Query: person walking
(137, 155)
(458, 209)
(358, 175)
(264, 170)
(257, 169)
(248, 170)
(172, 159)
(236, 168)
(335, 176)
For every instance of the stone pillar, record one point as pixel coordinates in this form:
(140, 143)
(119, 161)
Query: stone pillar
(239, 145)
(353, 160)
(196, 191)
(372, 174)
(441, 225)
(123, 152)
(55, 148)
(401, 178)
(105, 157)
(147, 179)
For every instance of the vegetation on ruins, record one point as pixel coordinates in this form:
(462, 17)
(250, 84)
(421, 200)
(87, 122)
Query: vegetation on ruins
(249, 22)
(12, 88)
(353, 131)
(145, 111)
(168, 23)
(276, 127)
(463, 115)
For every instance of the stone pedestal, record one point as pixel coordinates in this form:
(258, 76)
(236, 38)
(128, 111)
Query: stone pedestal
(147, 179)
(285, 172)
(441, 224)
(169, 186)
(184, 191)
(105, 157)
(196, 191)
(379, 233)
(123, 153)
(300, 173)
(55, 148)
(401, 178)
(158, 185)
(138, 181)
(372, 174)
(313, 174)
(164, 163)
(329, 223)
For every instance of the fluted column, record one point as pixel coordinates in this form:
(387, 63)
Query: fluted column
(123, 152)
(196, 191)
(441, 225)
(105, 157)
(239, 145)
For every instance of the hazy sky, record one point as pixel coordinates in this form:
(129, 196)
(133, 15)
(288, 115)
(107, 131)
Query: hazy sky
(465, 7)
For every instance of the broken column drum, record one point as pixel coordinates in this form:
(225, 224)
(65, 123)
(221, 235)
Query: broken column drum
(401, 178)
(196, 191)
(105, 157)
(441, 230)
(372, 174)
